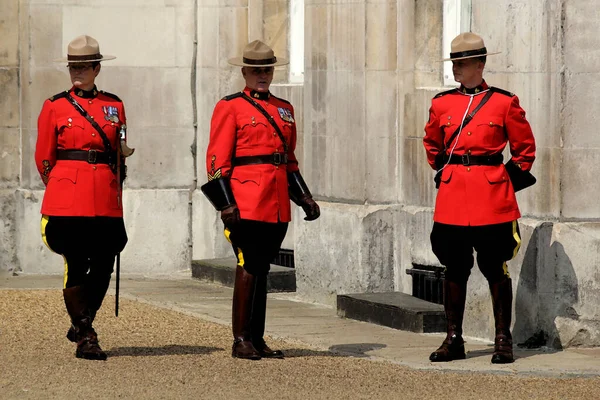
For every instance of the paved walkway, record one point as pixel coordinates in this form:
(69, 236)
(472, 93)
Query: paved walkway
(320, 328)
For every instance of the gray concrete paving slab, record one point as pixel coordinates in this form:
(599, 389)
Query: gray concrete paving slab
(319, 327)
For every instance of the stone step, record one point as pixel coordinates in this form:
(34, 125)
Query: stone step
(222, 271)
(393, 309)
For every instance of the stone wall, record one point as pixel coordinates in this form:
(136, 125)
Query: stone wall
(371, 69)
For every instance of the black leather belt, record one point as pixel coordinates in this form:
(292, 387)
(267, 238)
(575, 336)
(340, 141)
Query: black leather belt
(467, 159)
(275, 159)
(89, 156)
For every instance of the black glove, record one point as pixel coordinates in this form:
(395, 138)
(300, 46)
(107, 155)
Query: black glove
(310, 207)
(230, 216)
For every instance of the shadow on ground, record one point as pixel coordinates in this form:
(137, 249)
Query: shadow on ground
(169, 350)
(338, 350)
(518, 353)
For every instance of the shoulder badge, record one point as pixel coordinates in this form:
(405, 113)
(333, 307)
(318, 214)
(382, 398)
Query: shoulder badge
(59, 96)
(501, 91)
(444, 93)
(112, 96)
(283, 100)
(232, 96)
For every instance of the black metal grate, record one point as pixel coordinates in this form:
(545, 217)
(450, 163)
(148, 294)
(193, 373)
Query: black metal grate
(427, 282)
(285, 258)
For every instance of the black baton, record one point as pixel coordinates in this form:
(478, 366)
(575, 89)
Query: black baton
(117, 284)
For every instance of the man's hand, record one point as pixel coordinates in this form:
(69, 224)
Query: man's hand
(310, 207)
(230, 216)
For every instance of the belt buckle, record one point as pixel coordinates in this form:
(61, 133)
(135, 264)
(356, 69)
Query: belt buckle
(92, 156)
(466, 160)
(276, 158)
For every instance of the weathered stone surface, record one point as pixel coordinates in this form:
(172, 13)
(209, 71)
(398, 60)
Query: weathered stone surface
(34, 257)
(382, 35)
(579, 183)
(505, 23)
(581, 43)
(9, 102)
(158, 226)
(412, 227)
(9, 32)
(428, 44)
(208, 240)
(9, 157)
(162, 160)
(362, 262)
(8, 231)
(153, 47)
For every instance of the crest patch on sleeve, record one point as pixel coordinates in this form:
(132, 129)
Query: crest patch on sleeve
(212, 175)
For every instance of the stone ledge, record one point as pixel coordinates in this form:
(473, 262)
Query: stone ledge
(222, 271)
(393, 309)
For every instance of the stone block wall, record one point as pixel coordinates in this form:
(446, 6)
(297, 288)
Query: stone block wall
(371, 69)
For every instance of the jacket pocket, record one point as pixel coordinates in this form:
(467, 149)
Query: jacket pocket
(490, 131)
(60, 192)
(499, 196)
(252, 130)
(496, 176)
(246, 177)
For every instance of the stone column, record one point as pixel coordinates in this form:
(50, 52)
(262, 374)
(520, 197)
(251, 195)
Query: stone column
(351, 102)
(10, 116)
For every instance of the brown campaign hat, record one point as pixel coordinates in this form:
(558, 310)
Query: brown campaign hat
(257, 54)
(84, 49)
(467, 45)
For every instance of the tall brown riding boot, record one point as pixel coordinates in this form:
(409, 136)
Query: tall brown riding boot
(259, 311)
(502, 301)
(243, 294)
(85, 335)
(453, 347)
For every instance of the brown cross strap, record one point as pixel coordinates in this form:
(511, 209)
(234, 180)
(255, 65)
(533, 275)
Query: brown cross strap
(268, 117)
(468, 118)
(87, 116)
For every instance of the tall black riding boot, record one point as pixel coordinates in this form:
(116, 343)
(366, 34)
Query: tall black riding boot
(243, 295)
(259, 311)
(84, 333)
(502, 301)
(453, 347)
(96, 285)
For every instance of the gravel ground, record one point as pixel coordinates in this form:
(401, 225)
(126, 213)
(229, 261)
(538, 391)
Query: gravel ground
(161, 354)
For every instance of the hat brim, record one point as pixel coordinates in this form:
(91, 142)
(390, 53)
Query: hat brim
(104, 58)
(239, 61)
(474, 56)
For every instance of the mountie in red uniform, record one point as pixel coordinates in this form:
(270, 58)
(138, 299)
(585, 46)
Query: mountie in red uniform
(472, 195)
(239, 130)
(75, 188)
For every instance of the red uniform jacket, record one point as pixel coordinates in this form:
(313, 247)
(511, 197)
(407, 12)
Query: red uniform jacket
(478, 194)
(239, 129)
(76, 188)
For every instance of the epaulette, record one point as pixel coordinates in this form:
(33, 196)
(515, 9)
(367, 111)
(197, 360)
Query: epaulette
(232, 96)
(501, 91)
(112, 96)
(280, 99)
(444, 93)
(59, 96)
